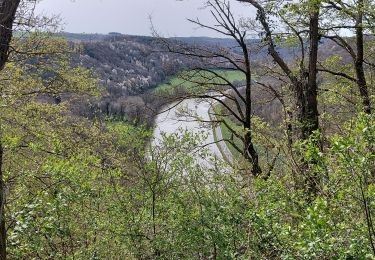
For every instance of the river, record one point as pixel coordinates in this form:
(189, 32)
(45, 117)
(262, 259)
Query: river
(191, 115)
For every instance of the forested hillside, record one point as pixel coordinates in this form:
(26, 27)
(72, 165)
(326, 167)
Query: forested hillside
(257, 144)
(131, 67)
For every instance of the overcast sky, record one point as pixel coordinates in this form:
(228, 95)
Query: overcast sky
(132, 16)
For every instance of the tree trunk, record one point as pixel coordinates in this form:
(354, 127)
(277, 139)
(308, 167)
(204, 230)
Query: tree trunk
(300, 103)
(359, 61)
(249, 151)
(305, 87)
(8, 10)
(311, 117)
(251, 154)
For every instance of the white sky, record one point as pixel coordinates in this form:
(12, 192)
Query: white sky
(132, 16)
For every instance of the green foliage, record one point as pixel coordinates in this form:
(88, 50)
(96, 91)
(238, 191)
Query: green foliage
(200, 213)
(334, 225)
(106, 198)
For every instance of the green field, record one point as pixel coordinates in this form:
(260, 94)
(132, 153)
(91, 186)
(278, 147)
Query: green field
(227, 134)
(192, 81)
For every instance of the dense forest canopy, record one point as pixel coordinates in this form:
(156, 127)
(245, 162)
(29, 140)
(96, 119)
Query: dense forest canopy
(276, 159)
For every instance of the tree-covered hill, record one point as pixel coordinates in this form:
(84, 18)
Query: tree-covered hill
(129, 67)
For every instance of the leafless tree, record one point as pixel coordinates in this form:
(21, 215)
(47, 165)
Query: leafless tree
(303, 83)
(301, 76)
(214, 85)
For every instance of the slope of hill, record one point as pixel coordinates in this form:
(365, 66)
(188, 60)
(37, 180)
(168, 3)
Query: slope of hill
(129, 67)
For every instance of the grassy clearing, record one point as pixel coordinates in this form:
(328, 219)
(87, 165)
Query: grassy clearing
(192, 81)
(227, 134)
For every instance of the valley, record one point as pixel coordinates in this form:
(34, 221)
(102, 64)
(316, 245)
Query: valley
(255, 143)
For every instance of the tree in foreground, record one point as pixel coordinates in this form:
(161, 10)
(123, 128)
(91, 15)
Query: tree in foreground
(207, 80)
(8, 9)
